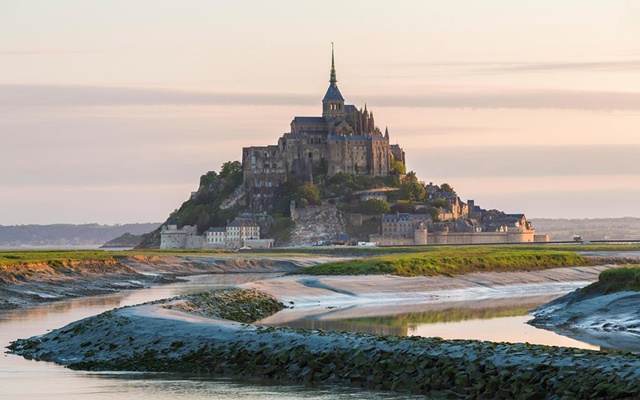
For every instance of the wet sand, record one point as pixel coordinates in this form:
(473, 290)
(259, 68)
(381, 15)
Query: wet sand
(371, 295)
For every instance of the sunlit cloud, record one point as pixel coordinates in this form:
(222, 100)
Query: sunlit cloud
(630, 65)
(525, 67)
(43, 52)
(75, 96)
(537, 161)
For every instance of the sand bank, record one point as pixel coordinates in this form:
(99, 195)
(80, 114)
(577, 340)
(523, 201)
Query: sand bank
(349, 296)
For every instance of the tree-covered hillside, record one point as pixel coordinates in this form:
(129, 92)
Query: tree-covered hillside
(219, 198)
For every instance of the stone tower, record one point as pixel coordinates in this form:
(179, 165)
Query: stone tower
(333, 102)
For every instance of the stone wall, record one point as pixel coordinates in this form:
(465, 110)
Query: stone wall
(354, 219)
(450, 238)
(541, 238)
(480, 237)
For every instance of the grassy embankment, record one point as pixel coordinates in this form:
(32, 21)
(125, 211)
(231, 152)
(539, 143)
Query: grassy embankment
(405, 261)
(453, 261)
(53, 257)
(363, 250)
(8, 257)
(616, 280)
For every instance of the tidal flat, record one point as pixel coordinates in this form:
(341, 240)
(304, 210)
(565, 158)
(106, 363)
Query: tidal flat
(155, 337)
(496, 370)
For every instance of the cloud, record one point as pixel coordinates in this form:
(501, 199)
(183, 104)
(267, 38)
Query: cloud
(74, 95)
(534, 161)
(77, 96)
(42, 52)
(526, 67)
(631, 65)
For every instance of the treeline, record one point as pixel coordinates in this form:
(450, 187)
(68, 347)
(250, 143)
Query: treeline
(68, 234)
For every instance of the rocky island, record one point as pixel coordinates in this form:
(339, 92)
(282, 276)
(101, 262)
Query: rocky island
(335, 178)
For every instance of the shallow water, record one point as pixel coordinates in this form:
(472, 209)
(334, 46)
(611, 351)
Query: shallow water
(495, 324)
(24, 379)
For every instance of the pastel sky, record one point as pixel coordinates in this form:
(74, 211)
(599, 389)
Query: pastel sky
(111, 110)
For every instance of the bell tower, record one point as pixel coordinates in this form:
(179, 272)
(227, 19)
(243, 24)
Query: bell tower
(333, 102)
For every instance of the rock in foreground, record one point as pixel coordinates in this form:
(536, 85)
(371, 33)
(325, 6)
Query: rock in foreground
(151, 337)
(606, 313)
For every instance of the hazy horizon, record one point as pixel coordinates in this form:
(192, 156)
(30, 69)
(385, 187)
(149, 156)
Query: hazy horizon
(111, 111)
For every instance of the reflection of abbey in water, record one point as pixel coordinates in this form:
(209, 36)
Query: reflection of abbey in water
(344, 139)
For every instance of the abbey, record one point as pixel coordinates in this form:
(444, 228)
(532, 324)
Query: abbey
(343, 140)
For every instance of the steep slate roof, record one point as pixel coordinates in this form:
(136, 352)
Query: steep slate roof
(243, 222)
(333, 93)
(518, 216)
(309, 120)
(352, 137)
(397, 217)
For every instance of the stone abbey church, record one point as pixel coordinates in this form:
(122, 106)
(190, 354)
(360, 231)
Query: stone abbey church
(343, 140)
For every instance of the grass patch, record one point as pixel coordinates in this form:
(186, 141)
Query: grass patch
(56, 258)
(240, 305)
(370, 251)
(12, 257)
(52, 257)
(452, 261)
(616, 280)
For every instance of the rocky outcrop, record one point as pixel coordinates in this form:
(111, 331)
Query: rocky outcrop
(316, 223)
(609, 320)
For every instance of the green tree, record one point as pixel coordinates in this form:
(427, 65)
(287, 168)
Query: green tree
(402, 206)
(374, 206)
(229, 168)
(445, 187)
(398, 168)
(308, 193)
(434, 212)
(439, 203)
(411, 189)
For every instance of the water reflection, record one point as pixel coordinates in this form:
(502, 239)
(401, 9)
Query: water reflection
(505, 322)
(18, 377)
(22, 379)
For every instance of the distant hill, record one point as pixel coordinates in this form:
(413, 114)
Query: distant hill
(126, 240)
(68, 234)
(627, 228)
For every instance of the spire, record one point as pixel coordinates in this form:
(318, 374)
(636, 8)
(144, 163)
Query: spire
(333, 94)
(386, 132)
(333, 79)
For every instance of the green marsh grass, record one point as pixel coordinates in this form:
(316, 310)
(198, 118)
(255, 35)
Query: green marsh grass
(616, 280)
(453, 261)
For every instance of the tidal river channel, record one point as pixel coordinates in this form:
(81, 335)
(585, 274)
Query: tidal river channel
(24, 379)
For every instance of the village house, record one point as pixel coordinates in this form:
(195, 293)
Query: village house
(243, 231)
